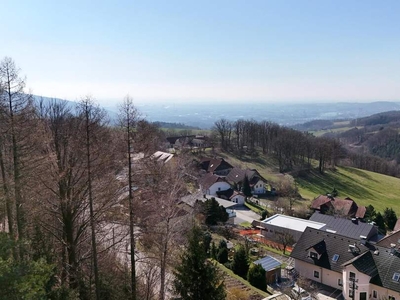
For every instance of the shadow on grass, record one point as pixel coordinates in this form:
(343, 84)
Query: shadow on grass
(359, 173)
(324, 183)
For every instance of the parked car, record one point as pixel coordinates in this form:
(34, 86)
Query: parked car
(300, 294)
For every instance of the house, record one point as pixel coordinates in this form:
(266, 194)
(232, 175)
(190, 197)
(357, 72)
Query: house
(319, 255)
(272, 227)
(343, 207)
(373, 275)
(217, 166)
(257, 183)
(389, 240)
(210, 184)
(190, 201)
(272, 268)
(232, 195)
(352, 228)
(362, 270)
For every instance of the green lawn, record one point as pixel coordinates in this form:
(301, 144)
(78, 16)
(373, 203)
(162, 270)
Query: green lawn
(364, 187)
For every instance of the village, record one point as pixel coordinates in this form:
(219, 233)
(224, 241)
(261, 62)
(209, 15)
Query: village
(333, 253)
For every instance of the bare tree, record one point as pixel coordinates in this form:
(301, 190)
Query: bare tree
(15, 108)
(129, 118)
(285, 238)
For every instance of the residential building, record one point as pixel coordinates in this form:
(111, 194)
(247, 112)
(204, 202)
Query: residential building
(232, 195)
(257, 183)
(341, 207)
(210, 184)
(217, 166)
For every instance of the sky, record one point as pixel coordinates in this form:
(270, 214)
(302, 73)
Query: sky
(206, 51)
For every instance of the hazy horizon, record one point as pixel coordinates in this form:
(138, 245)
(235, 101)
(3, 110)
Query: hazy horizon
(225, 51)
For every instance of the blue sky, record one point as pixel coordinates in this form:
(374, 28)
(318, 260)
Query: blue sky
(269, 51)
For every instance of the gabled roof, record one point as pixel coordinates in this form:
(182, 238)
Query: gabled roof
(237, 175)
(380, 264)
(191, 200)
(345, 206)
(319, 247)
(268, 263)
(209, 179)
(214, 164)
(345, 226)
(229, 194)
(334, 244)
(387, 241)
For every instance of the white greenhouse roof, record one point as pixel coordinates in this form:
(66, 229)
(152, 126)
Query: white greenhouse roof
(292, 223)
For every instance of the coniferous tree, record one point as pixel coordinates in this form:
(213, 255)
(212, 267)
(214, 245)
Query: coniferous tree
(196, 278)
(240, 263)
(256, 277)
(380, 222)
(390, 217)
(246, 187)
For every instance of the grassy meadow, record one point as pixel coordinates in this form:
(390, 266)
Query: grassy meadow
(364, 187)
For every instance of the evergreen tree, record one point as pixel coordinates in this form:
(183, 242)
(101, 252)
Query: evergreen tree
(370, 213)
(214, 212)
(380, 222)
(390, 217)
(246, 187)
(240, 264)
(196, 278)
(256, 277)
(222, 255)
(213, 251)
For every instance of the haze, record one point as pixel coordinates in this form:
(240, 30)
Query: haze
(225, 51)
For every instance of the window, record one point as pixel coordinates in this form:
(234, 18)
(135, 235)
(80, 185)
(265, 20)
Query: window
(339, 282)
(335, 257)
(374, 294)
(313, 254)
(316, 274)
(396, 277)
(219, 189)
(352, 276)
(351, 293)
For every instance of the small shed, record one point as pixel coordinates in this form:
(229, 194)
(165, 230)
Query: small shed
(272, 268)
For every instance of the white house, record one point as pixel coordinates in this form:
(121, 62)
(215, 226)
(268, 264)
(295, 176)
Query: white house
(210, 184)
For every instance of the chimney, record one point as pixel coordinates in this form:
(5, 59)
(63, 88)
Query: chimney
(354, 220)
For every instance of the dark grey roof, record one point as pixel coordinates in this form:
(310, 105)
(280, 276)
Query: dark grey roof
(380, 267)
(345, 226)
(268, 263)
(333, 243)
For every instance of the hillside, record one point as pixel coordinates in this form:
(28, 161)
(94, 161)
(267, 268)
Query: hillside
(364, 187)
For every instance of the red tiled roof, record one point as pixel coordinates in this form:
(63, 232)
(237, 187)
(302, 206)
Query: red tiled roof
(320, 200)
(345, 206)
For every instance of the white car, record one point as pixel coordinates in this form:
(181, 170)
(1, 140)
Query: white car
(300, 294)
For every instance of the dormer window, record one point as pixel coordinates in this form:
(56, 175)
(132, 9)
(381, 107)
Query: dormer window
(313, 255)
(335, 258)
(396, 277)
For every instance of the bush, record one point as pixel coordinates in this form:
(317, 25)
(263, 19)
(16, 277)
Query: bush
(240, 264)
(256, 277)
(222, 255)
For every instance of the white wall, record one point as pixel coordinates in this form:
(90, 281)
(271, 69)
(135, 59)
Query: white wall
(362, 284)
(239, 199)
(259, 187)
(327, 277)
(218, 186)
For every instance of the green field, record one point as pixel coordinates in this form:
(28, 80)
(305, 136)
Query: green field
(364, 187)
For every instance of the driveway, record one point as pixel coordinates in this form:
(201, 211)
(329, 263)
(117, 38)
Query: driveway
(243, 214)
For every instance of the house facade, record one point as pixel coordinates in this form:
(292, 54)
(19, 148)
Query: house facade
(257, 183)
(210, 184)
(361, 269)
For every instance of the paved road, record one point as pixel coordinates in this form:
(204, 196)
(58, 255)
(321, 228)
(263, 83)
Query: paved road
(243, 214)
